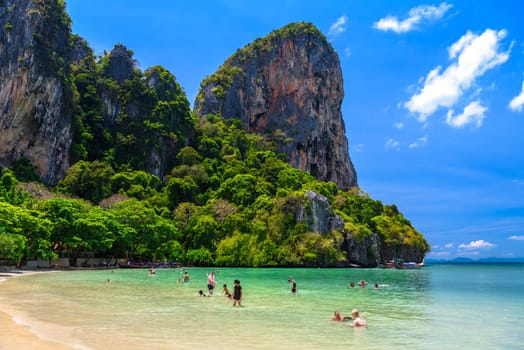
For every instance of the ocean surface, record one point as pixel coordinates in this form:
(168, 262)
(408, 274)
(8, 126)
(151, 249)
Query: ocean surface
(442, 306)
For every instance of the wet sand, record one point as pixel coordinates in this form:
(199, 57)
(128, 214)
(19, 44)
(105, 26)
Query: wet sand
(19, 336)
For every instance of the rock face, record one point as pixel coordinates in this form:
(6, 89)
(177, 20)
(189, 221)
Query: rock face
(121, 65)
(287, 85)
(35, 120)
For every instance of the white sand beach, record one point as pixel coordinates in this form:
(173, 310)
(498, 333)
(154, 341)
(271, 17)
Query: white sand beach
(19, 336)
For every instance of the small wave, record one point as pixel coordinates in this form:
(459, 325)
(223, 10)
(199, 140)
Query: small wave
(49, 332)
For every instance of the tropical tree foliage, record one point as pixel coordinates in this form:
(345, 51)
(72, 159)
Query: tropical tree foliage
(149, 181)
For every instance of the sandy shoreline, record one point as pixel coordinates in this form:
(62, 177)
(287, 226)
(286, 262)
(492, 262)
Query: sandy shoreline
(19, 336)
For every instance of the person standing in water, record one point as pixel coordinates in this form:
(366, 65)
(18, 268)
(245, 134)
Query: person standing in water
(211, 282)
(237, 294)
(294, 288)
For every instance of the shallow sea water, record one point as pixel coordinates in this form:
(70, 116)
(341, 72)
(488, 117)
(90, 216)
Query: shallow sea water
(462, 306)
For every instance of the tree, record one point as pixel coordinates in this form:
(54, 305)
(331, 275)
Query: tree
(91, 181)
(28, 223)
(201, 256)
(9, 192)
(141, 231)
(12, 246)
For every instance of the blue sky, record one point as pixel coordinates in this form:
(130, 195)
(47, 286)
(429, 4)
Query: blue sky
(434, 95)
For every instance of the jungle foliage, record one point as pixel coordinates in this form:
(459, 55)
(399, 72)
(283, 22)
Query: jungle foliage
(228, 201)
(151, 182)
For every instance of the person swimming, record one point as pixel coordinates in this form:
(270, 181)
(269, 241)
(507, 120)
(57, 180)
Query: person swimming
(338, 317)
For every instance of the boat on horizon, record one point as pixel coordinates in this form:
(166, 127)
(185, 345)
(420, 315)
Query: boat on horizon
(405, 265)
(387, 264)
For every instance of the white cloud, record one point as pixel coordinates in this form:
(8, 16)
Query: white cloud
(518, 101)
(421, 141)
(415, 16)
(392, 144)
(338, 27)
(399, 125)
(473, 55)
(476, 245)
(473, 113)
(449, 245)
(359, 148)
(518, 182)
(517, 238)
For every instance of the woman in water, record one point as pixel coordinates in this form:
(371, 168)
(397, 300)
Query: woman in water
(358, 321)
(237, 294)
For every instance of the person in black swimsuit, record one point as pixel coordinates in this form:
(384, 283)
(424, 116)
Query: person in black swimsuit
(237, 294)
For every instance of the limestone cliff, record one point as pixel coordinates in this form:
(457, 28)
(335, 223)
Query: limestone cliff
(287, 85)
(317, 214)
(35, 98)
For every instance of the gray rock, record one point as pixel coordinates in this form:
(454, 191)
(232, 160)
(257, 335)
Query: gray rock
(35, 105)
(287, 86)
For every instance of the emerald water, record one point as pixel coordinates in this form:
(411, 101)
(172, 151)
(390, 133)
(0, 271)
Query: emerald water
(469, 306)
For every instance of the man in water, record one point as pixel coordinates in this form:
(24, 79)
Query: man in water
(358, 321)
(211, 282)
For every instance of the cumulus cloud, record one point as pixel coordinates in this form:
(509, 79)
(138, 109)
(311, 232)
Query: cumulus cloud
(517, 238)
(416, 16)
(392, 144)
(473, 113)
(472, 56)
(518, 101)
(338, 27)
(476, 245)
(421, 141)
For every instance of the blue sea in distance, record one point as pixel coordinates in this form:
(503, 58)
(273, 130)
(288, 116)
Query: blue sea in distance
(441, 306)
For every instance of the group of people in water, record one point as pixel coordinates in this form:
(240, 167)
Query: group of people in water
(357, 319)
(237, 289)
(362, 284)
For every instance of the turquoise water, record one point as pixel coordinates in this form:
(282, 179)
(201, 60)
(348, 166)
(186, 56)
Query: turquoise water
(470, 306)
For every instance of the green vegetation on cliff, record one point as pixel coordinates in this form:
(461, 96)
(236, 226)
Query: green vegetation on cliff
(151, 182)
(222, 79)
(228, 201)
(124, 123)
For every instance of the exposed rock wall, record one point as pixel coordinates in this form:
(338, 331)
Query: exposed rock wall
(35, 120)
(315, 212)
(288, 85)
